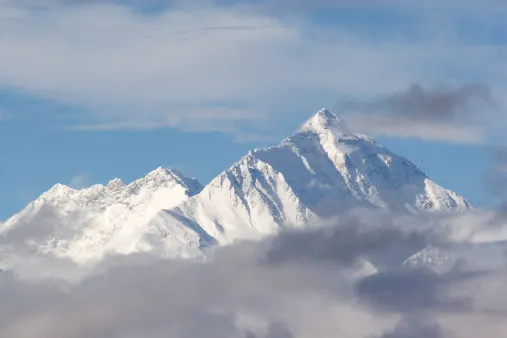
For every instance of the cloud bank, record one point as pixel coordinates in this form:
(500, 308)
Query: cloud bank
(297, 284)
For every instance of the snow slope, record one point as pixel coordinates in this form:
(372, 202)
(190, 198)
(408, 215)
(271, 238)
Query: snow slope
(430, 256)
(87, 224)
(320, 171)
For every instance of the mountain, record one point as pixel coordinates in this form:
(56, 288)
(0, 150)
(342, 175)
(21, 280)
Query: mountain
(322, 170)
(87, 224)
(430, 256)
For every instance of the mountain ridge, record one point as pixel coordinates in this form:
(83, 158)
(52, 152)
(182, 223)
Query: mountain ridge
(320, 171)
(317, 170)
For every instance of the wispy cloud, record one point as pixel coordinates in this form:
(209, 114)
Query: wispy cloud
(462, 114)
(184, 66)
(80, 181)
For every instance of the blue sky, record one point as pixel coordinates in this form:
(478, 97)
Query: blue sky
(94, 90)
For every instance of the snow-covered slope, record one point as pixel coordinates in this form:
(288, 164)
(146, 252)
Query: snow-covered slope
(86, 224)
(430, 256)
(320, 171)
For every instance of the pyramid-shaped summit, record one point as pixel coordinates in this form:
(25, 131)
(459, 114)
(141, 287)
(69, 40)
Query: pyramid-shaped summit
(325, 120)
(320, 171)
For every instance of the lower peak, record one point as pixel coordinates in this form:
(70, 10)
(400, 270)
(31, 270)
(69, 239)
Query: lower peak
(115, 183)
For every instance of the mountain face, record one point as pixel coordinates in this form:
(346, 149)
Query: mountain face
(430, 256)
(320, 171)
(86, 224)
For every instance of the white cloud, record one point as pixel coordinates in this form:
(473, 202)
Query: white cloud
(447, 131)
(206, 68)
(80, 181)
(297, 285)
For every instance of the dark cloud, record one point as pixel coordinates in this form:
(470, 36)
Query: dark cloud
(461, 114)
(422, 294)
(407, 290)
(381, 243)
(415, 327)
(441, 104)
(275, 330)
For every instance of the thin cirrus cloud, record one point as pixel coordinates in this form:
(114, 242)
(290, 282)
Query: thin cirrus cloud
(206, 68)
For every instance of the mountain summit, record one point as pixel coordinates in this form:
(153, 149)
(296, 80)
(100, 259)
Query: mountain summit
(322, 170)
(325, 121)
(87, 224)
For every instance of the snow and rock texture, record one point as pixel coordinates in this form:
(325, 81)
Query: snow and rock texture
(322, 170)
(430, 256)
(444, 258)
(84, 225)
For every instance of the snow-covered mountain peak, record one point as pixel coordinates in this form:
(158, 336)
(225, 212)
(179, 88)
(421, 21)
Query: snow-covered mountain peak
(325, 121)
(59, 189)
(116, 183)
(321, 171)
(162, 173)
(85, 224)
(168, 177)
(430, 256)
